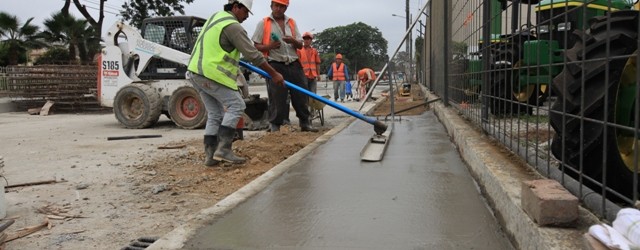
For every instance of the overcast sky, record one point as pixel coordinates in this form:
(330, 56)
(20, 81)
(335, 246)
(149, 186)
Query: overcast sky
(310, 15)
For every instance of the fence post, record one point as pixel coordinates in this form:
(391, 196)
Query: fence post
(486, 54)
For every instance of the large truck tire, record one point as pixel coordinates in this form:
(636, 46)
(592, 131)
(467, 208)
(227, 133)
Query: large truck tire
(186, 109)
(137, 106)
(504, 75)
(581, 143)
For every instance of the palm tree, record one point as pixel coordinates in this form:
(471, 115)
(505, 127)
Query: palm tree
(18, 37)
(66, 30)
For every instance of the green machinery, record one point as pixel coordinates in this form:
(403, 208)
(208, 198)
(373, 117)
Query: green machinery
(583, 52)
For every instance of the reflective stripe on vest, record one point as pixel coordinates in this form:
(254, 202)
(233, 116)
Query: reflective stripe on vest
(338, 73)
(266, 32)
(308, 59)
(212, 61)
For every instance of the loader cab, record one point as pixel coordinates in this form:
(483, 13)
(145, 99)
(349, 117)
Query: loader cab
(176, 32)
(558, 19)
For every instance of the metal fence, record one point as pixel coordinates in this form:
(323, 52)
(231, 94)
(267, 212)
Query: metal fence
(554, 81)
(3, 81)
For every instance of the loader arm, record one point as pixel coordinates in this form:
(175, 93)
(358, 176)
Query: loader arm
(140, 49)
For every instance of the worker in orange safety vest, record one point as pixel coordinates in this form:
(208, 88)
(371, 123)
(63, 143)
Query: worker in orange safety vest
(339, 73)
(310, 60)
(278, 37)
(366, 76)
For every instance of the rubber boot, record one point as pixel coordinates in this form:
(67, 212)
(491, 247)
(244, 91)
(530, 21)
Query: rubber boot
(306, 127)
(210, 145)
(224, 152)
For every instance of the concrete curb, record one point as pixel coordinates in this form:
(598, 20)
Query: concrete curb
(499, 178)
(177, 237)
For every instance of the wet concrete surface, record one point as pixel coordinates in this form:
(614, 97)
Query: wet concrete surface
(420, 196)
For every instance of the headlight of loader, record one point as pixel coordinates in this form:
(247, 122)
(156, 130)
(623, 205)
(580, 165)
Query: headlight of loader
(564, 26)
(542, 29)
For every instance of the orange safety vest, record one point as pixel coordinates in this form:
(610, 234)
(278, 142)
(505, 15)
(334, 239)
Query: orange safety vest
(266, 33)
(338, 73)
(309, 59)
(362, 74)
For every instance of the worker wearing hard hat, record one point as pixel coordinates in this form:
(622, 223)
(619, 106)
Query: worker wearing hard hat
(278, 37)
(213, 71)
(310, 60)
(366, 76)
(339, 73)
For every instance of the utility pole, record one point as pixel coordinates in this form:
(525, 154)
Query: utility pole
(409, 42)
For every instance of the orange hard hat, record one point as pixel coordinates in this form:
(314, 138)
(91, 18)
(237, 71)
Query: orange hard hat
(283, 2)
(307, 34)
(338, 56)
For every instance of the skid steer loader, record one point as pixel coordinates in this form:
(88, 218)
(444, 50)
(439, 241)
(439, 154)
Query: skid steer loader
(142, 75)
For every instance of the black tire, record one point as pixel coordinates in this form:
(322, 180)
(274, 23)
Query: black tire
(137, 106)
(602, 75)
(504, 80)
(186, 109)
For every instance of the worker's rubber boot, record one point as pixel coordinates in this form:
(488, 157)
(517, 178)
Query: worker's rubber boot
(224, 152)
(306, 127)
(210, 145)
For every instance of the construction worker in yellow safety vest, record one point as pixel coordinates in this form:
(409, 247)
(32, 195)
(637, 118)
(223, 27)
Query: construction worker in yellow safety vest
(213, 71)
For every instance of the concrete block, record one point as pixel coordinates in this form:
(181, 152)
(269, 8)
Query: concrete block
(548, 203)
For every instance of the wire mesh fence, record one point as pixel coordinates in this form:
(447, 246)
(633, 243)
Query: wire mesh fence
(554, 81)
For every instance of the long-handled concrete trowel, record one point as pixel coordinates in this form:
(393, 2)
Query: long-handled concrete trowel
(378, 142)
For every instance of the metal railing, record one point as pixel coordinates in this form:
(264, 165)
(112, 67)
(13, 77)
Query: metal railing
(555, 83)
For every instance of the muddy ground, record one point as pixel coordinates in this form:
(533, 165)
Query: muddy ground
(107, 193)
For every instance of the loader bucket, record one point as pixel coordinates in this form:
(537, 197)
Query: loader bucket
(256, 115)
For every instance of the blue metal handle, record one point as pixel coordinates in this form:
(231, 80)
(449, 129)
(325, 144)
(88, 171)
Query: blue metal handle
(379, 127)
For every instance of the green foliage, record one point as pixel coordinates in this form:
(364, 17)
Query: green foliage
(18, 37)
(76, 34)
(4, 55)
(55, 55)
(135, 11)
(360, 45)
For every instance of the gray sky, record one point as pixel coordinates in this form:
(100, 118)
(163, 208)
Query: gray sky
(309, 14)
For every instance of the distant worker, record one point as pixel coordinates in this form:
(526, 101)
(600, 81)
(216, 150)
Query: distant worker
(278, 37)
(339, 73)
(366, 77)
(310, 60)
(214, 70)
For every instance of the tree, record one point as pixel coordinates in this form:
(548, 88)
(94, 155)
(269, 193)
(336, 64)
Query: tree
(137, 10)
(55, 55)
(134, 10)
(359, 43)
(18, 38)
(65, 29)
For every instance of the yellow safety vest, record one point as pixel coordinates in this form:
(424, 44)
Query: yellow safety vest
(209, 58)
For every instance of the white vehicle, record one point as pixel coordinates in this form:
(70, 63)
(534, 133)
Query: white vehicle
(143, 75)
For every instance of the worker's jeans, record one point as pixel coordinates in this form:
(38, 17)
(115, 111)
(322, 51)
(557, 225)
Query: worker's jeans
(312, 84)
(338, 90)
(216, 97)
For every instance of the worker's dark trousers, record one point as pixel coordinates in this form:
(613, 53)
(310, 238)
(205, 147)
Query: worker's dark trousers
(278, 107)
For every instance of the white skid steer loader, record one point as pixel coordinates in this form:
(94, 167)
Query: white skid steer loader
(143, 76)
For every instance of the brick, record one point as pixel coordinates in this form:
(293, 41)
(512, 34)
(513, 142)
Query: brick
(548, 203)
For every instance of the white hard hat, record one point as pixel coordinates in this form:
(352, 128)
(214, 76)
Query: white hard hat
(246, 3)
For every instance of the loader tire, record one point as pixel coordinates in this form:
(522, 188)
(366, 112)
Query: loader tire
(186, 108)
(137, 106)
(580, 143)
(504, 75)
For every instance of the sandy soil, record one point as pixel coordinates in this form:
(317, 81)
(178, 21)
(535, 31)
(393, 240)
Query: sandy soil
(108, 193)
